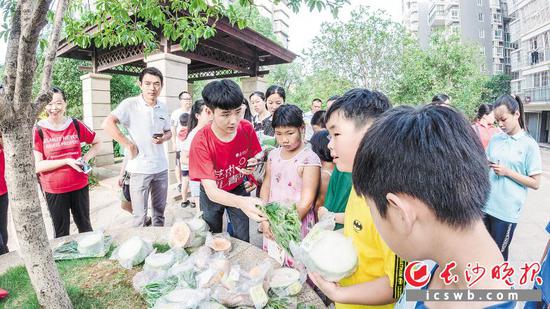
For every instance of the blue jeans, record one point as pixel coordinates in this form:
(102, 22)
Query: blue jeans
(213, 215)
(501, 231)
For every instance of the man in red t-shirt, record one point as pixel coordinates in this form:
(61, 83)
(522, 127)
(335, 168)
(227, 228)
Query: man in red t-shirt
(3, 203)
(219, 156)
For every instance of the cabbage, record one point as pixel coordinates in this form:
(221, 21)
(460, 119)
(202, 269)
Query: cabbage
(285, 282)
(329, 253)
(91, 244)
(159, 261)
(132, 252)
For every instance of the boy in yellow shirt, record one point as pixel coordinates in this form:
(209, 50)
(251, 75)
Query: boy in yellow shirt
(378, 281)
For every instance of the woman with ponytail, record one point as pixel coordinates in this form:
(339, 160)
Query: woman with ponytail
(515, 161)
(484, 124)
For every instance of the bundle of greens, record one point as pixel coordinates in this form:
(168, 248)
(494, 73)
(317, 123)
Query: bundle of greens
(284, 223)
(155, 290)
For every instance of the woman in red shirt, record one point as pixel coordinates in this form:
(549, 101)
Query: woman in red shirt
(59, 162)
(484, 124)
(3, 203)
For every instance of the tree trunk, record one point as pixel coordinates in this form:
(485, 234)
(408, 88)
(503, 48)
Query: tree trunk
(27, 215)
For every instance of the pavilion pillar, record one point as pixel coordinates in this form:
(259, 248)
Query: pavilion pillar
(251, 84)
(174, 71)
(96, 98)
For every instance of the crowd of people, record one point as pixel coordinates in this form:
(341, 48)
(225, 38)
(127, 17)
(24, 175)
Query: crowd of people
(404, 183)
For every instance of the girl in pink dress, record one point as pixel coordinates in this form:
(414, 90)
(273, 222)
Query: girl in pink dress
(292, 172)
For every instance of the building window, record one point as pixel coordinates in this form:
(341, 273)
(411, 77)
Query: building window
(479, 2)
(481, 33)
(480, 17)
(544, 79)
(498, 34)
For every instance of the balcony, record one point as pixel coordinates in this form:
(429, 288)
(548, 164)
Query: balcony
(540, 94)
(539, 56)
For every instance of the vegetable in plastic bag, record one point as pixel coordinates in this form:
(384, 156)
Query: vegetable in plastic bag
(179, 235)
(219, 242)
(156, 289)
(218, 268)
(182, 298)
(211, 304)
(90, 244)
(132, 252)
(199, 227)
(163, 261)
(284, 222)
(327, 252)
(286, 281)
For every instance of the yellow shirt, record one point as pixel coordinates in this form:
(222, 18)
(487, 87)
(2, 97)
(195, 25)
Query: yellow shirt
(376, 259)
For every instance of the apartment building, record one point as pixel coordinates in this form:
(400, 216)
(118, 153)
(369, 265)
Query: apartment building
(280, 17)
(482, 21)
(530, 59)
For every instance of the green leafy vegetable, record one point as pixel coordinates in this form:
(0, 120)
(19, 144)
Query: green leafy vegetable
(155, 290)
(284, 223)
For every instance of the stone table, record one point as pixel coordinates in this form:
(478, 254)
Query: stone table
(242, 253)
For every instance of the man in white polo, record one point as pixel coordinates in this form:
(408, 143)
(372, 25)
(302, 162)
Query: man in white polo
(148, 124)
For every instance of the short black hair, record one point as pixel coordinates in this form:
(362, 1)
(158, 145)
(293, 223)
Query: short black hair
(429, 153)
(275, 89)
(182, 93)
(333, 98)
(360, 105)
(317, 99)
(259, 94)
(223, 94)
(318, 118)
(319, 145)
(440, 98)
(60, 91)
(288, 115)
(484, 109)
(151, 71)
(184, 119)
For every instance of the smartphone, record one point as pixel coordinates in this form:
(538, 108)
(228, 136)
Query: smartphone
(86, 168)
(255, 165)
(158, 135)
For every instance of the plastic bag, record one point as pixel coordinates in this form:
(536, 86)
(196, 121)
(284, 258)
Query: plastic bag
(199, 227)
(281, 302)
(201, 257)
(132, 252)
(185, 272)
(157, 289)
(219, 242)
(180, 235)
(287, 281)
(142, 278)
(218, 268)
(323, 231)
(163, 261)
(232, 297)
(84, 247)
(182, 298)
(211, 304)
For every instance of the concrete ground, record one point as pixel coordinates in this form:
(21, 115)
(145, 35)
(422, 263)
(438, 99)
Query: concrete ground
(527, 245)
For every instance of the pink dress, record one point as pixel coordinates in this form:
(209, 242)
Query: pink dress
(286, 184)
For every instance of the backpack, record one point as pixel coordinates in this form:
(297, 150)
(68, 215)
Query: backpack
(75, 123)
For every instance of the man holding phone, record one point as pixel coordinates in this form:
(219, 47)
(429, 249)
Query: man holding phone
(148, 124)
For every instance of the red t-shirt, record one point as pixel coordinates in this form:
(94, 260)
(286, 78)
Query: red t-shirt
(3, 187)
(59, 145)
(211, 158)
